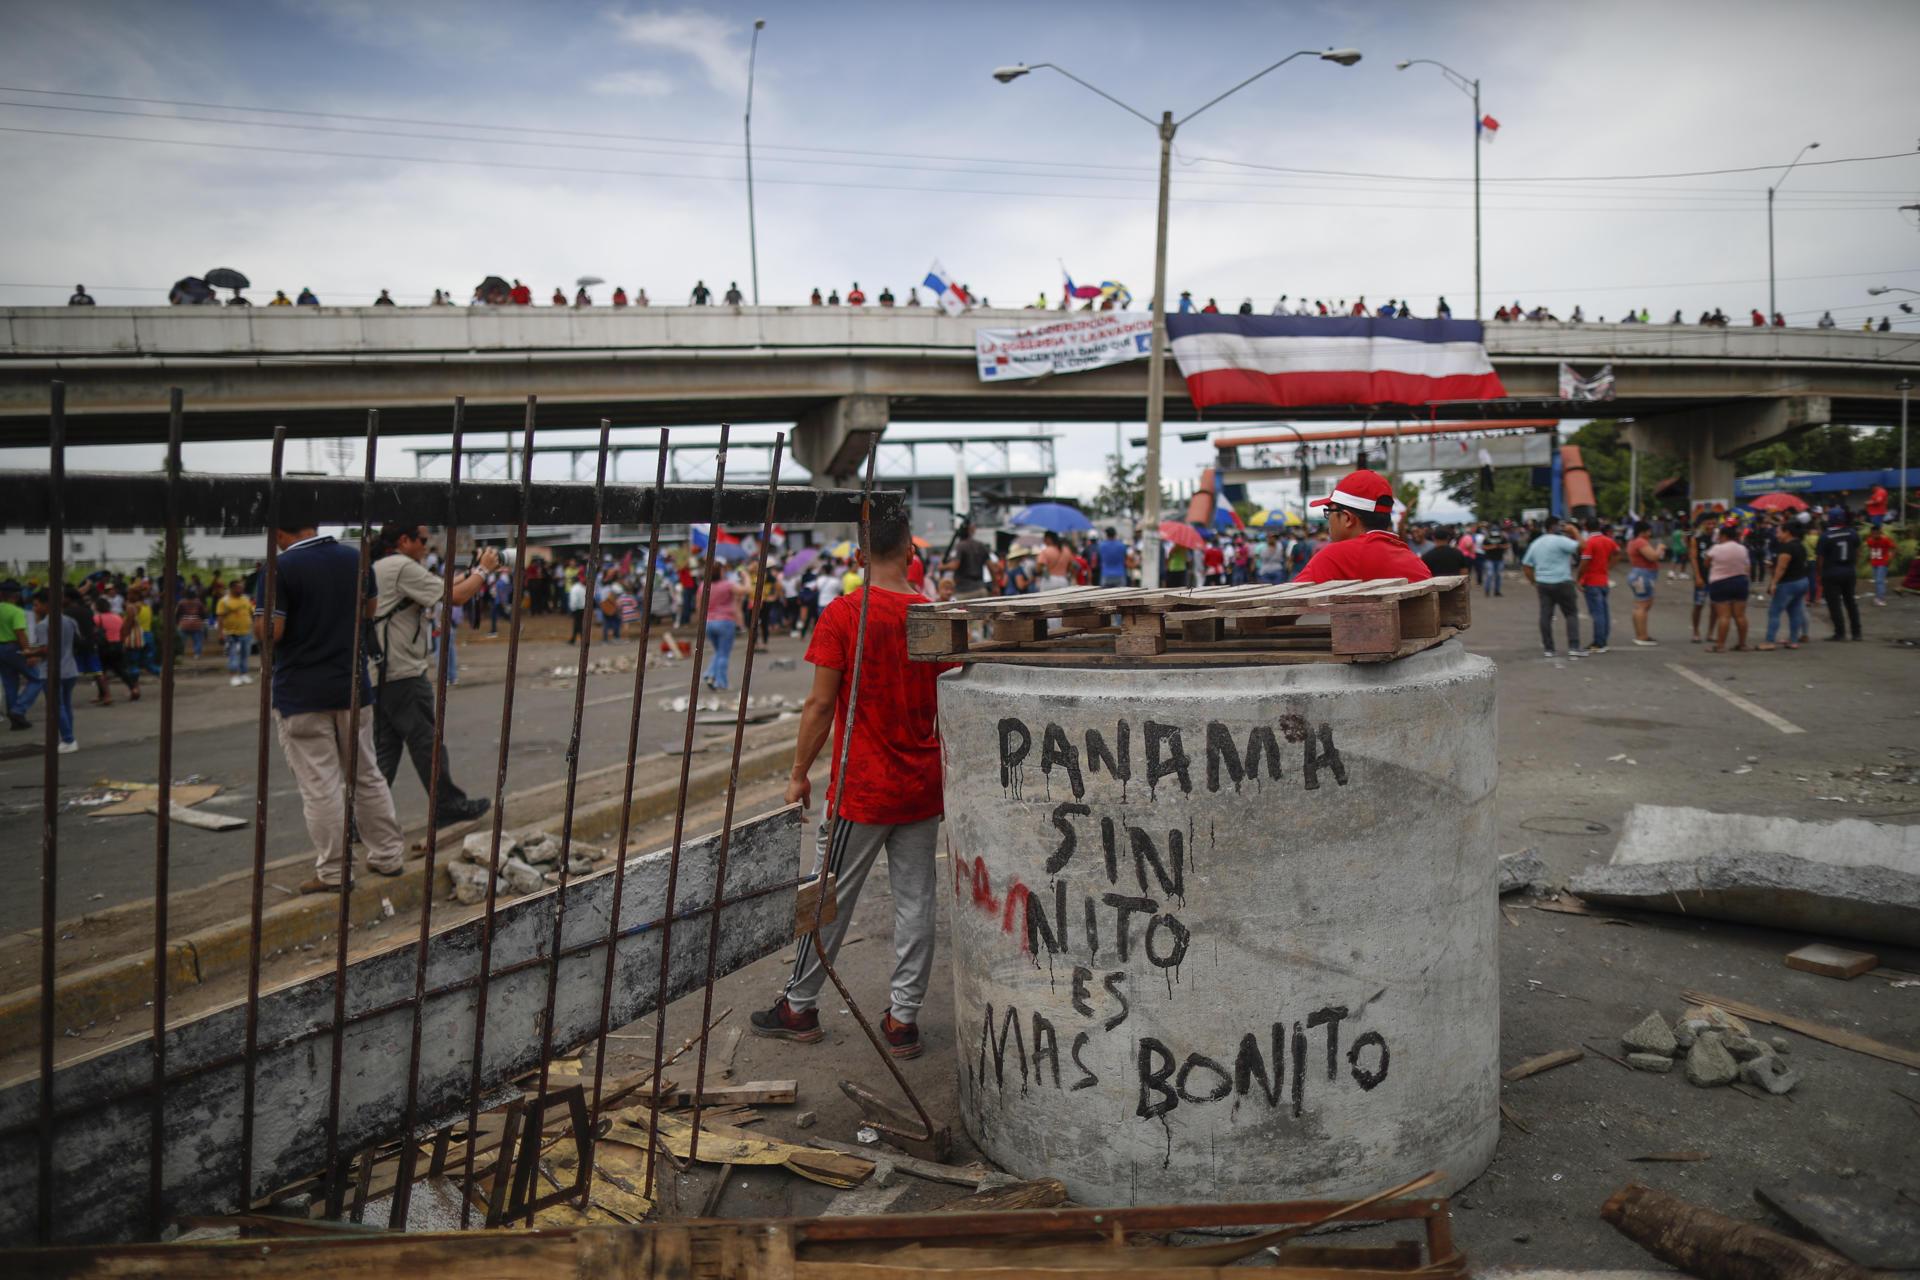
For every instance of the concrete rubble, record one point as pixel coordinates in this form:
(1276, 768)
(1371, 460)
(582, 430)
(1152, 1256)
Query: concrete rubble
(1716, 1048)
(1522, 870)
(529, 862)
(1849, 877)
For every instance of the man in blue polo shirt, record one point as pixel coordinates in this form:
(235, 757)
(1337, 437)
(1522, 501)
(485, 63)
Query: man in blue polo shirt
(320, 597)
(1114, 555)
(1550, 565)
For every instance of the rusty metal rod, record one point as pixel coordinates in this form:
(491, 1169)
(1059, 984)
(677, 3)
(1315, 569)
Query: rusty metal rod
(733, 783)
(403, 1187)
(50, 803)
(583, 1141)
(499, 811)
(838, 792)
(335, 1179)
(626, 798)
(256, 907)
(163, 809)
(680, 805)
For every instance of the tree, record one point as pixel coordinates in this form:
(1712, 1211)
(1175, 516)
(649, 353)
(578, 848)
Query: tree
(1408, 491)
(1124, 492)
(1511, 492)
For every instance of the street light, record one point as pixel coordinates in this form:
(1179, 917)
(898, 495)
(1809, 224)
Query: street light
(1772, 308)
(1166, 126)
(1472, 89)
(1878, 289)
(753, 243)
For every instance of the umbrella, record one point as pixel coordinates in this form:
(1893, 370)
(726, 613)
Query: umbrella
(842, 551)
(1778, 502)
(1181, 535)
(921, 542)
(190, 290)
(1053, 516)
(494, 291)
(795, 562)
(1270, 519)
(584, 281)
(227, 278)
(729, 551)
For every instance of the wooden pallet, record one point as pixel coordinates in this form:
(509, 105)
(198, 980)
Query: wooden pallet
(1356, 621)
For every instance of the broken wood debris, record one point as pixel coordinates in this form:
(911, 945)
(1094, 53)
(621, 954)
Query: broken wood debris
(1544, 1062)
(1837, 1036)
(1832, 962)
(1714, 1246)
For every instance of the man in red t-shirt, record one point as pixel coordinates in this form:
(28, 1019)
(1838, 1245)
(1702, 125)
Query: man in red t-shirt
(890, 797)
(1596, 580)
(1880, 549)
(1360, 533)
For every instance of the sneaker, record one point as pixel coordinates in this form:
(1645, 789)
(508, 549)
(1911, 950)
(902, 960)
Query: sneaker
(17, 722)
(782, 1023)
(1599, 648)
(1646, 644)
(465, 811)
(233, 682)
(1879, 603)
(1576, 653)
(388, 872)
(1549, 655)
(317, 885)
(903, 1038)
(1836, 636)
(67, 748)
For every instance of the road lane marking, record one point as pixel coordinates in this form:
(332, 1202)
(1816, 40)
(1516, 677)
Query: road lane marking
(1747, 705)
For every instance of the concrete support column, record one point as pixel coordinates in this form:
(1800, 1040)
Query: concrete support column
(1711, 440)
(831, 440)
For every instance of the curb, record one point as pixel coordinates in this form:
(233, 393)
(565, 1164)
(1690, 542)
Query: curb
(104, 992)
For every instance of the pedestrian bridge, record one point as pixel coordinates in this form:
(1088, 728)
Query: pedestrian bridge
(840, 373)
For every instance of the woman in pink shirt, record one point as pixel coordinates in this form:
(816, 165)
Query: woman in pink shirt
(1727, 565)
(722, 609)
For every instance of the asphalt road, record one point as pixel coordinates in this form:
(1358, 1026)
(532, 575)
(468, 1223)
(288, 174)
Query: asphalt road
(108, 861)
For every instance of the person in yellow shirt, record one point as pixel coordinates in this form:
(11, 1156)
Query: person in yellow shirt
(280, 299)
(235, 616)
(850, 581)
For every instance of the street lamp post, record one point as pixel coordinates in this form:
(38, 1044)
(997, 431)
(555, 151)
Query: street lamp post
(1472, 89)
(1166, 126)
(1772, 307)
(753, 243)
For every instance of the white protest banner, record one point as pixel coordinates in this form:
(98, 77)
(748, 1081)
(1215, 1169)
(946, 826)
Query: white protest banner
(1062, 346)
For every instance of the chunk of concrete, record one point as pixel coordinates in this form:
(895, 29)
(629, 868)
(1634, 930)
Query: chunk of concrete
(522, 877)
(1746, 1048)
(470, 883)
(1650, 1035)
(1849, 877)
(1519, 870)
(1709, 1064)
(1657, 1062)
(1769, 1073)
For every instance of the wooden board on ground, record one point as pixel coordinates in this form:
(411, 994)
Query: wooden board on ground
(1545, 1062)
(146, 799)
(1366, 621)
(1831, 962)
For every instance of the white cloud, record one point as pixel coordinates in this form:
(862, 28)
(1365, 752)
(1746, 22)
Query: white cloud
(634, 84)
(703, 39)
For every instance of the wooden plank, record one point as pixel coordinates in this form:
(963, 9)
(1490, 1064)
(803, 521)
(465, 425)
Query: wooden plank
(1831, 962)
(1544, 1062)
(1456, 604)
(807, 904)
(1015, 630)
(1837, 1036)
(752, 1093)
(929, 634)
(1419, 617)
(1367, 629)
(1141, 635)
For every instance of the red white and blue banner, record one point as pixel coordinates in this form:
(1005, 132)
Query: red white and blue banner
(1337, 360)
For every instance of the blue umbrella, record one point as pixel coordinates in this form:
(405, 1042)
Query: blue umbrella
(1053, 516)
(729, 551)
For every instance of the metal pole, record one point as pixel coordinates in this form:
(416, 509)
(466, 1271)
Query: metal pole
(1770, 302)
(1906, 385)
(1157, 373)
(753, 243)
(1477, 313)
(1633, 478)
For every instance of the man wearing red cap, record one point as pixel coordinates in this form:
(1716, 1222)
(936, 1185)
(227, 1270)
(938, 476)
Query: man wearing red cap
(1361, 542)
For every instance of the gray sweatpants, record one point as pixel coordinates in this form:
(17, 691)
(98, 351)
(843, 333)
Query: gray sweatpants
(849, 849)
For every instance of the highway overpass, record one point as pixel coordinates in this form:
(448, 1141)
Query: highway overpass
(841, 374)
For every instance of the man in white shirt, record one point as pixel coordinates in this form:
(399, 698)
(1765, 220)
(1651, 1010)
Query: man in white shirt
(403, 712)
(577, 605)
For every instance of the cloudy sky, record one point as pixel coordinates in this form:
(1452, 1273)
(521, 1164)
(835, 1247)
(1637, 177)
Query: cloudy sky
(418, 144)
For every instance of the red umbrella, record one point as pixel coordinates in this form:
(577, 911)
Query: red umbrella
(1778, 502)
(1181, 535)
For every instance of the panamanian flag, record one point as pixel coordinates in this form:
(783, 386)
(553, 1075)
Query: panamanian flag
(1331, 360)
(947, 293)
(699, 536)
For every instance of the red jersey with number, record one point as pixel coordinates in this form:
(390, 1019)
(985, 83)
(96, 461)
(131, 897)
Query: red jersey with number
(893, 764)
(1880, 550)
(1374, 554)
